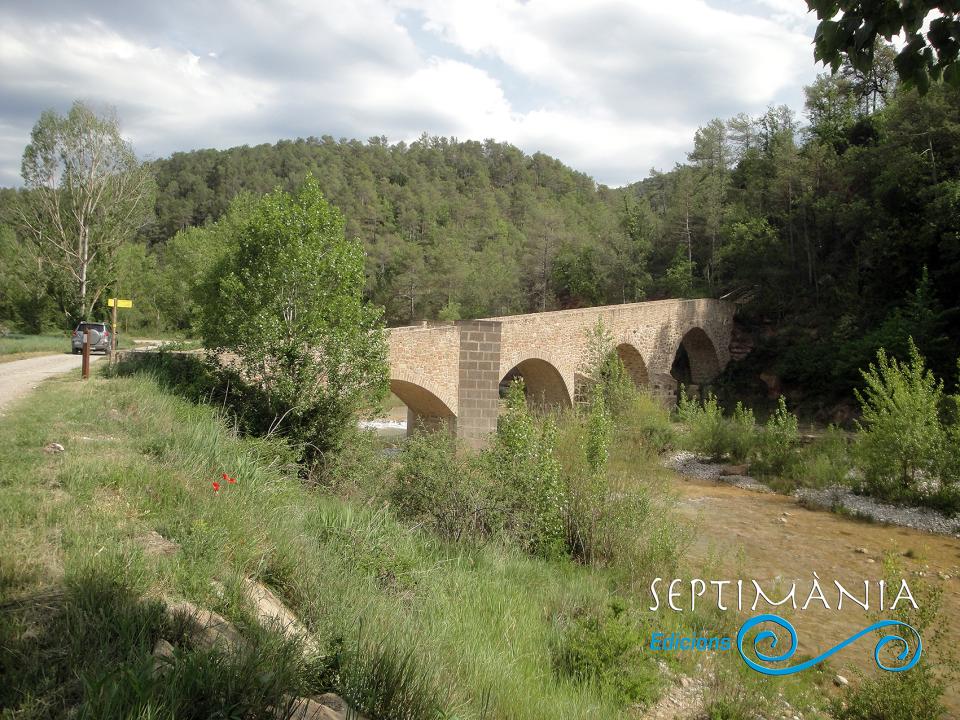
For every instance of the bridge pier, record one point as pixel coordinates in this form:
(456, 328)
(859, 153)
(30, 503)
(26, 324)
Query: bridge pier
(478, 384)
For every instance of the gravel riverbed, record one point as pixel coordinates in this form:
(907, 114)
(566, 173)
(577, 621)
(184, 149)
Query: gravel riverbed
(831, 498)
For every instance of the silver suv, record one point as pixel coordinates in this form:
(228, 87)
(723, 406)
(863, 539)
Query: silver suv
(99, 337)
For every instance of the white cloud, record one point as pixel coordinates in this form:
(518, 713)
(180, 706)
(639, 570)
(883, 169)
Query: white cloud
(610, 88)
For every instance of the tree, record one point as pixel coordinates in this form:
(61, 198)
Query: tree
(853, 35)
(901, 436)
(86, 195)
(287, 302)
(712, 157)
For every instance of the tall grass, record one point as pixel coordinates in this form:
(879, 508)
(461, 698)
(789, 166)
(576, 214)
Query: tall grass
(409, 623)
(476, 621)
(15, 344)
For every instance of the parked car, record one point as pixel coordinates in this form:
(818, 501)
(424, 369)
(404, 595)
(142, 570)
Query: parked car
(99, 337)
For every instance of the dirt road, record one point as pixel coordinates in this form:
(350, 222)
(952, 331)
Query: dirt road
(19, 377)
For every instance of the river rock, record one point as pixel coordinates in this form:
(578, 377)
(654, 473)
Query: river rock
(840, 681)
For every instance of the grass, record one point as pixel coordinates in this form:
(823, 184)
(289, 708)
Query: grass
(20, 347)
(31, 345)
(408, 626)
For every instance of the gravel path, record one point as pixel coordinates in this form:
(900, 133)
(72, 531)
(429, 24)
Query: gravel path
(19, 377)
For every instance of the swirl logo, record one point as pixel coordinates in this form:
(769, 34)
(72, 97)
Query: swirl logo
(784, 657)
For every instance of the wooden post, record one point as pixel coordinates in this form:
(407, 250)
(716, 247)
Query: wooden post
(85, 367)
(113, 333)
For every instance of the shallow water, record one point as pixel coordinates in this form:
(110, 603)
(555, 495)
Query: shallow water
(746, 535)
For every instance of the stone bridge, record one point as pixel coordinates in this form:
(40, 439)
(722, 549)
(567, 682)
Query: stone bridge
(450, 374)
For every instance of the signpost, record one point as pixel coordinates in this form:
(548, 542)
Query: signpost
(115, 303)
(85, 364)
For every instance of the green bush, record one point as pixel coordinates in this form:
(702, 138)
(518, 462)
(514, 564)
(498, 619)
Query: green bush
(617, 519)
(911, 695)
(605, 372)
(776, 452)
(645, 418)
(743, 433)
(522, 462)
(825, 462)
(605, 649)
(915, 694)
(901, 439)
(711, 434)
(436, 486)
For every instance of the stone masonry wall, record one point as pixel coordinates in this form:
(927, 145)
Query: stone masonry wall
(462, 364)
(479, 373)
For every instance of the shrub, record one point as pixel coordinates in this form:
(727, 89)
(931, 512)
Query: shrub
(614, 518)
(384, 680)
(743, 432)
(605, 372)
(916, 693)
(522, 462)
(360, 469)
(599, 436)
(901, 438)
(776, 452)
(646, 419)
(714, 435)
(825, 462)
(439, 488)
(911, 695)
(605, 648)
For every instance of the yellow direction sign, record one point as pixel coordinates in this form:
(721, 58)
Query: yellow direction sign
(114, 302)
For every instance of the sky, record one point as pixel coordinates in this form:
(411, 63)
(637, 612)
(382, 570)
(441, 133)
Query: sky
(612, 88)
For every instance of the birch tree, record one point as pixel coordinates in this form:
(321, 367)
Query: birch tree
(86, 194)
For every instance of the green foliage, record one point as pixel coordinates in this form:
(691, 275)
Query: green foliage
(901, 437)
(86, 195)
(825, 462)
(287, 301)
(679, 275)
(523, 462)
(776, 452)
(712, 434)
(743, 433)
(912, 695)
(599, 435)
(90, 655)
(915, 693)
(605, 372)
(850, 31)
(605, 649)
(646, 419)
(387, 682)
(445, 491)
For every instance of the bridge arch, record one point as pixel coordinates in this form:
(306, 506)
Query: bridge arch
(633, 362)
(425, 409)
(696, 360)
(544, 385)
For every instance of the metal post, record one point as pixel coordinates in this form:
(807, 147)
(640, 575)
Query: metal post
(85, 368)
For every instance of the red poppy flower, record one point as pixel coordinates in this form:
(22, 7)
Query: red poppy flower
(216, 486)
(224, 476)
(232, 480)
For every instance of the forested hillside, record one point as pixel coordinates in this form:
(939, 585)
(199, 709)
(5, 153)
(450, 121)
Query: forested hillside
(839, 230)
